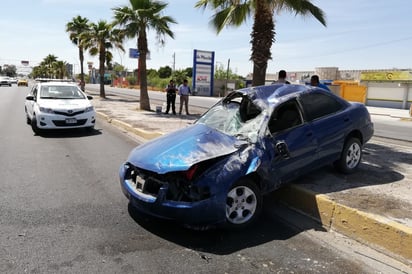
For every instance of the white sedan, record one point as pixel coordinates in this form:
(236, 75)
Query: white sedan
(58, 105)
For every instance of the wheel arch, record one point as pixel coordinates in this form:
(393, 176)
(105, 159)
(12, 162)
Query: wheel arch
(355, 134)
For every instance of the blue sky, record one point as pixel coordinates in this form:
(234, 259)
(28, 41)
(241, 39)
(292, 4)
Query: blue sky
(360, 34)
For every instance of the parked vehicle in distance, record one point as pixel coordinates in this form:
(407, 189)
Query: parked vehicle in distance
(5, 81)
(58, 105)
(22, 82)
(249, 144)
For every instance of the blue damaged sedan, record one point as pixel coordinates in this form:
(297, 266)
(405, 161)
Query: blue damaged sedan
(215, 171)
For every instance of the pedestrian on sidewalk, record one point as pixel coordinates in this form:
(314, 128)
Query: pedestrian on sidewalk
(281, 78)
(184, 91)
(171, 96)
(314, 81)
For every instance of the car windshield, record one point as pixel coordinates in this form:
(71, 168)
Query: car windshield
(60, 92)
(237, 117)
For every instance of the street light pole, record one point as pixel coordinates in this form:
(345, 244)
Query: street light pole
(227, 75)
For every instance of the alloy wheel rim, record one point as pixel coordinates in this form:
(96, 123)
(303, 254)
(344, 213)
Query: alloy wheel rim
(353, 155)
(241, 204)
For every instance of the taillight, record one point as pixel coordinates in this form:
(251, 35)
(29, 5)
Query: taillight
(191, 172)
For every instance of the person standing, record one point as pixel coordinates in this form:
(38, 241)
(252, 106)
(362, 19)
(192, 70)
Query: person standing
(171, 96)
(82, 85)
(314, 81)
(184, 91)
(281, 78)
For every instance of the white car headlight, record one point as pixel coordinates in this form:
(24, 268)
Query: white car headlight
(46, 110)
(88, 109)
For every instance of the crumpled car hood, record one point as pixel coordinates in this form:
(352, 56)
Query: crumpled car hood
(181, 149)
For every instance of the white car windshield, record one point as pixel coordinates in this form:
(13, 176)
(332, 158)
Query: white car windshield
(230, 118)
(60, 92)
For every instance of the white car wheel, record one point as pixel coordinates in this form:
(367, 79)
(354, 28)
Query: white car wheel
(243, 204)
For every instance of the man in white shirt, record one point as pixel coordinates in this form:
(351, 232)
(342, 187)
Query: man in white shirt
(184, 91)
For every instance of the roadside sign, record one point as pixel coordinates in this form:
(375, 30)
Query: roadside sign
(133, 53)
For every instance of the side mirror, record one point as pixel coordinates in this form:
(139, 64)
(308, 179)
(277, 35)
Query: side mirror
(89, 97)
(30, 98)
(283, 149)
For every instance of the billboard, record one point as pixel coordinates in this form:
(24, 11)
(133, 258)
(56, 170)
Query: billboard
(386, 76)
(203, 72)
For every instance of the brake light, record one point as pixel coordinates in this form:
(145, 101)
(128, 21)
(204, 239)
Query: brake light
(191, 172)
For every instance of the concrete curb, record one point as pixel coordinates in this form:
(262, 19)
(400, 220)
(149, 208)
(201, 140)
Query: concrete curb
(370, 229)
(374, 230)
(120, 124)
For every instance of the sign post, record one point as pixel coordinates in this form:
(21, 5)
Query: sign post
(134, 53)
(203, 72)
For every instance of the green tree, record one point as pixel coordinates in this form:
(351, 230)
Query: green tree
(189, 72)
(76, 28)
(99, 39)
(59, 69)
(48, 64)
(9, 70)
(119, 69)
(235, 13)
(136, 19)
(179, 76)
(165, 72)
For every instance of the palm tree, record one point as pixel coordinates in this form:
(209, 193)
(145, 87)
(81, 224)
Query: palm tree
(48, 63)
(75, 28)
(235, 13)
(99, 39)
(60, 70)
(136, 19)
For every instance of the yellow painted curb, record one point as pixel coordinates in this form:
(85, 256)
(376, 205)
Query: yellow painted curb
(371, 229)
(374, 229)
(140, 132)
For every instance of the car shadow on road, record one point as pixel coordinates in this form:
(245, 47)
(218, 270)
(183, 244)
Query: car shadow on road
(218, 240)
(69, 133)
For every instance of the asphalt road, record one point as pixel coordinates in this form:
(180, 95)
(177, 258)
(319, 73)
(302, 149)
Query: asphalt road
(62, 211)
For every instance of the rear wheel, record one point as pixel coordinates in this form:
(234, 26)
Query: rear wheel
(351, 156)
(243, 204)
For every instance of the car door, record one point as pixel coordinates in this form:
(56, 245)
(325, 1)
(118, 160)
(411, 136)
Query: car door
(293, 142)
(329, 121)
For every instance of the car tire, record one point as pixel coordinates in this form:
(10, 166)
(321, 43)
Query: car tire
(243, 204)
(34, 126)
(351, 156)
(28, 121)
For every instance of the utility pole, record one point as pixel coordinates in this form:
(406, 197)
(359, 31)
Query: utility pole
(227, 75)
(174, 60)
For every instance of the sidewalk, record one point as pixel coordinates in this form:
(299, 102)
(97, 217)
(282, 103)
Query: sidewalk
(373, 206)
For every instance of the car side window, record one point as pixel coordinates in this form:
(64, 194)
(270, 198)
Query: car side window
(316, 105)
(34, 92)
(284, 117)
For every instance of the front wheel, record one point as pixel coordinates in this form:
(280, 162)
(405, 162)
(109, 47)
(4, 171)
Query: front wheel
(243, 204)
(34, 126)
(350, 157)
